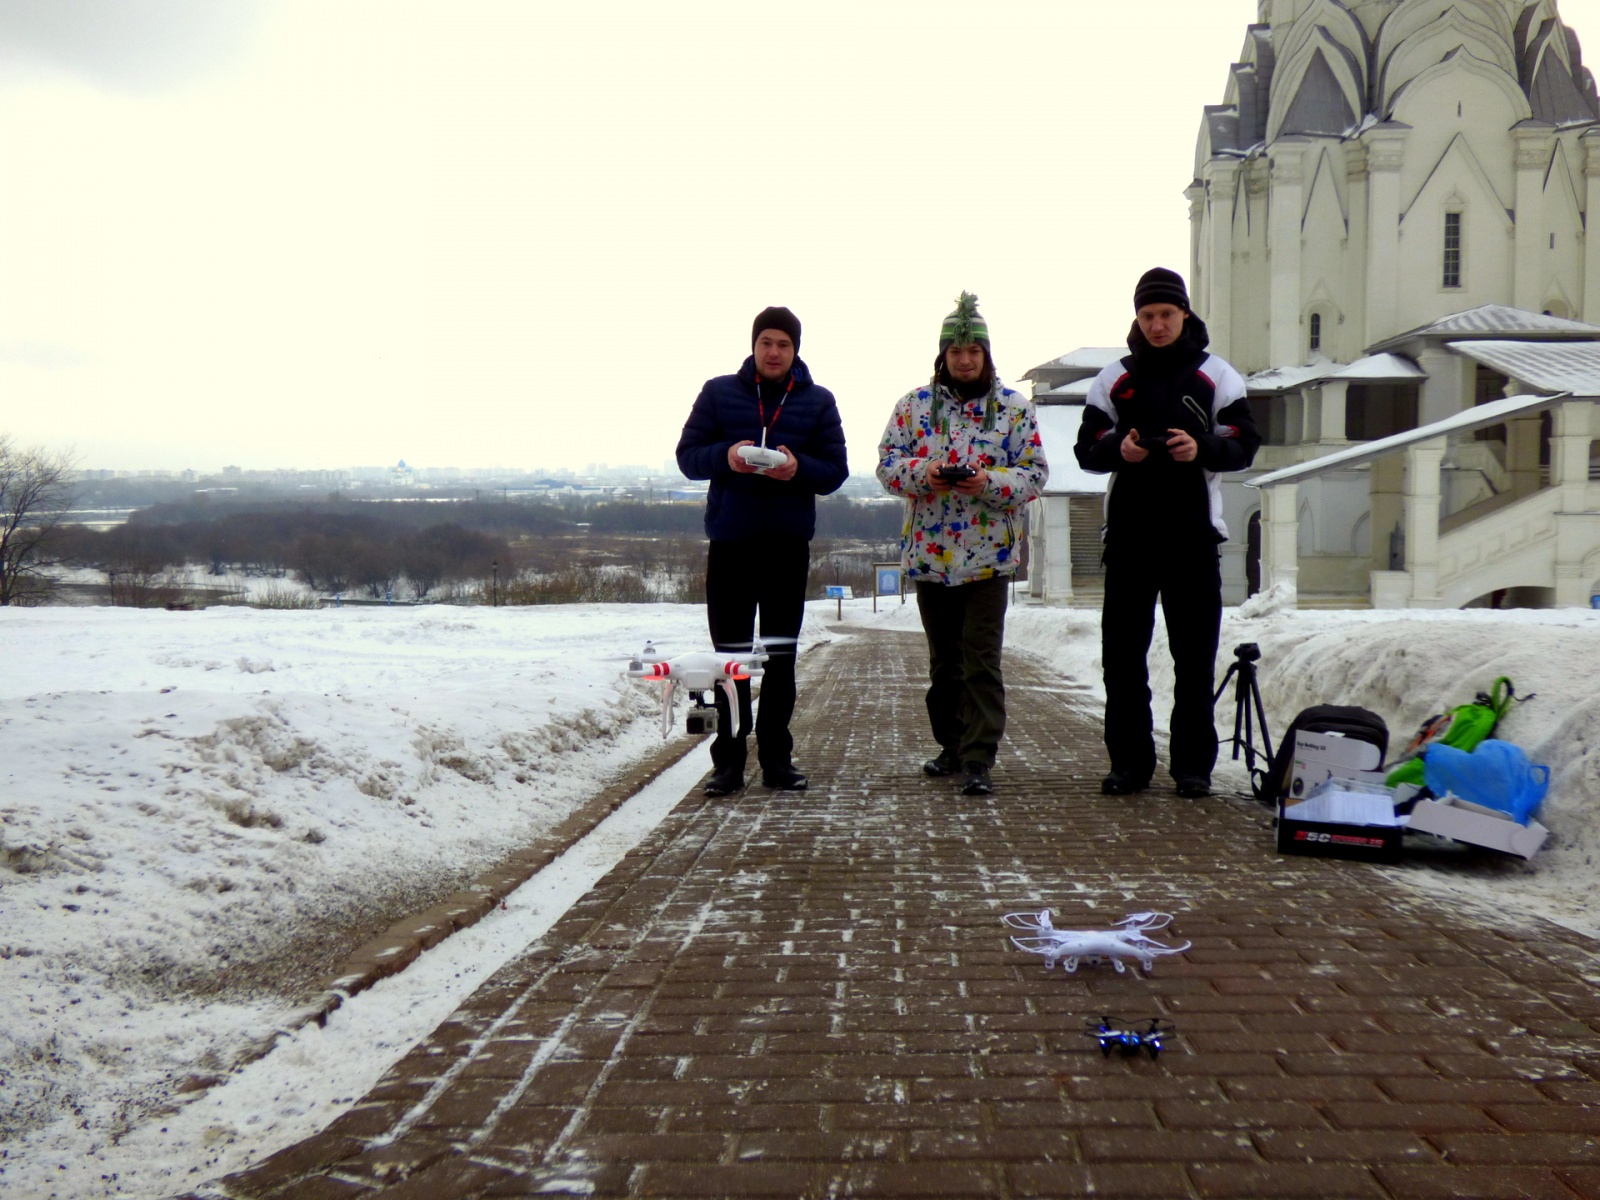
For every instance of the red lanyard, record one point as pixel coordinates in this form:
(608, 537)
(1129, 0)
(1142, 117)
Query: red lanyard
(761, 409)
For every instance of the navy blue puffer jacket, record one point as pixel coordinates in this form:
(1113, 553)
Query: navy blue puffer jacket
(743, 506)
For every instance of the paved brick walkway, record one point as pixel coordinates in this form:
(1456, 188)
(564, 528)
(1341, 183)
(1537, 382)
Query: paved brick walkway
(810, 995)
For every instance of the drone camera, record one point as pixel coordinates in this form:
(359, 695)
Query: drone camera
(702, 720)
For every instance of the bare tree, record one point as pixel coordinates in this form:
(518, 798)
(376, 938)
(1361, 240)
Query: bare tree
(35, 490)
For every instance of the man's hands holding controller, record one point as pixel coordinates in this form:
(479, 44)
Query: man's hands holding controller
(933, 474)
(744, 466)
(1175, 442)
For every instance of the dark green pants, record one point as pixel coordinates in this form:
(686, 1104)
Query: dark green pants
(966, 626)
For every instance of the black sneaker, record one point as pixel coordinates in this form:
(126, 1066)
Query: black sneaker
(785, 779)
(946, 764)
(1123, 783)
(977, 782)
(725, 781)
(1192, 787)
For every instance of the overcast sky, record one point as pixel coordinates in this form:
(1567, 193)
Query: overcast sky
(523, 233)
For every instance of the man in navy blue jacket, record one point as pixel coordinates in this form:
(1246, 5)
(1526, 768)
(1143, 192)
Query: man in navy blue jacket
(760, 520)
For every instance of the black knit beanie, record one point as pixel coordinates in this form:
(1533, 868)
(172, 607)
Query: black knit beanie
(1161, 286)
(776, 318)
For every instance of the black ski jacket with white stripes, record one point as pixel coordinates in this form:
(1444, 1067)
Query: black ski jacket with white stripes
(1182, 386)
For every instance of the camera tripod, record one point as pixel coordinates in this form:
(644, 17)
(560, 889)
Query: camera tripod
(1246, 704)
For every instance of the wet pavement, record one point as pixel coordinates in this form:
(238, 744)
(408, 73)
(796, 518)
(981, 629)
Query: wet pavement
(812, 995)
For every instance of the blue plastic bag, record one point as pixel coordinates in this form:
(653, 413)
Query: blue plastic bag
(1496, 775)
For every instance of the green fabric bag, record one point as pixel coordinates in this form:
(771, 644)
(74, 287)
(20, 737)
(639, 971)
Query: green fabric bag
(1462, 727)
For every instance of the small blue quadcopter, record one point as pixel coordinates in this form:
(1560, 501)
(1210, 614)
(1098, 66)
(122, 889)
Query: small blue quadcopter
(1128, 1038)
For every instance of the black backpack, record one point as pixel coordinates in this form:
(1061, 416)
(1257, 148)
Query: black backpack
(1350, 721)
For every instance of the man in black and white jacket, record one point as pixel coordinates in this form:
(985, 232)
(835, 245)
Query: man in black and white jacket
(1165, 421)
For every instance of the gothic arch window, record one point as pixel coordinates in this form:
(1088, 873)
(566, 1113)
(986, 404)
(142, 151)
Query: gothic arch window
(1451, 275)
(1314, 333)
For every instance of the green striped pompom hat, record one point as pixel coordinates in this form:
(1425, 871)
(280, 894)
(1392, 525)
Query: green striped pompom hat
(964, 326)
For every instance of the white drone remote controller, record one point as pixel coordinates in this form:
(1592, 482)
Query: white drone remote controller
(761, 458)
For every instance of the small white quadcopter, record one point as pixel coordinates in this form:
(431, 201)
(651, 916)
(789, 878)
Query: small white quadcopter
(697, 673)
(1070, 947)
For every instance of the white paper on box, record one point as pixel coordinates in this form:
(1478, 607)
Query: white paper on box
(1319, 756)
(1339, 806)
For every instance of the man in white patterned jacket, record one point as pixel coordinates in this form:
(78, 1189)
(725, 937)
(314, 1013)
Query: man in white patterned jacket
(964, 453)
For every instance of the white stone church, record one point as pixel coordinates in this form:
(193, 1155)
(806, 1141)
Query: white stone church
(1389, 238)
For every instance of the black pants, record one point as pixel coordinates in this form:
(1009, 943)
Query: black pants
(769, 575)
(1188, 583)
(966, 626)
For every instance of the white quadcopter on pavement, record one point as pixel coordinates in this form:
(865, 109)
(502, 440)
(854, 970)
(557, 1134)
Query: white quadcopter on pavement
(1070, 947)
(697, 674)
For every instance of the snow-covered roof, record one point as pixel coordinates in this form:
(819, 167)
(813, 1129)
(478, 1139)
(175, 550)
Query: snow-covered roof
(1549, 366)
(1494, 320)
(1084, 361)
(1058, 431)
(1380, 368)
(1075, 392)
(1374, 368)
(1286, 379)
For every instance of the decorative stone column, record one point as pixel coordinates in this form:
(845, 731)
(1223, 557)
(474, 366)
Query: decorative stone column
(1224, 188)
(1577, 423)
(1572, 431)
(1522, 454)
(1386, 145)
(1056, 517)
(1286, 205)
(1589, 301)
(1450, 388)
(1422, 499)
(1331, 412)
(1534, 145)
(1387, 485)
(1280, 537)
(1354, 294)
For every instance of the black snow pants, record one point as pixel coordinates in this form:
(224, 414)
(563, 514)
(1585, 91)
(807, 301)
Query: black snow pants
(1188, 582)
(766, 574)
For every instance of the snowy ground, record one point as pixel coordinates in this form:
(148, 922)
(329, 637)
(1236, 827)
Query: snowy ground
(184, 794)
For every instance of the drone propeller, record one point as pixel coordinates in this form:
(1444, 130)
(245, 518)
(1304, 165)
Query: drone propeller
(758, 643)
(653, 652)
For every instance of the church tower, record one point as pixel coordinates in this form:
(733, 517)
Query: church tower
(1376, 165)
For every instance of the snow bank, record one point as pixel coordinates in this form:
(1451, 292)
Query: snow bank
(190, 800)
(1407, 666)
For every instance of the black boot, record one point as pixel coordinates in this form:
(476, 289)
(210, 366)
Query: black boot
(785, 778)
(725, 781)
(1123, 783)
(977, 782)
(945, 764)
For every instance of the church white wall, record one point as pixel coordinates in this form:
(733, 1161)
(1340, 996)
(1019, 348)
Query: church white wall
(1455, 185)
(1487, 111)
(1561, 270)
(1325, 260)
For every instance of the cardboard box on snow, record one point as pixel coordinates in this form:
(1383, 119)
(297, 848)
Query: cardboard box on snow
(1455, 818)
